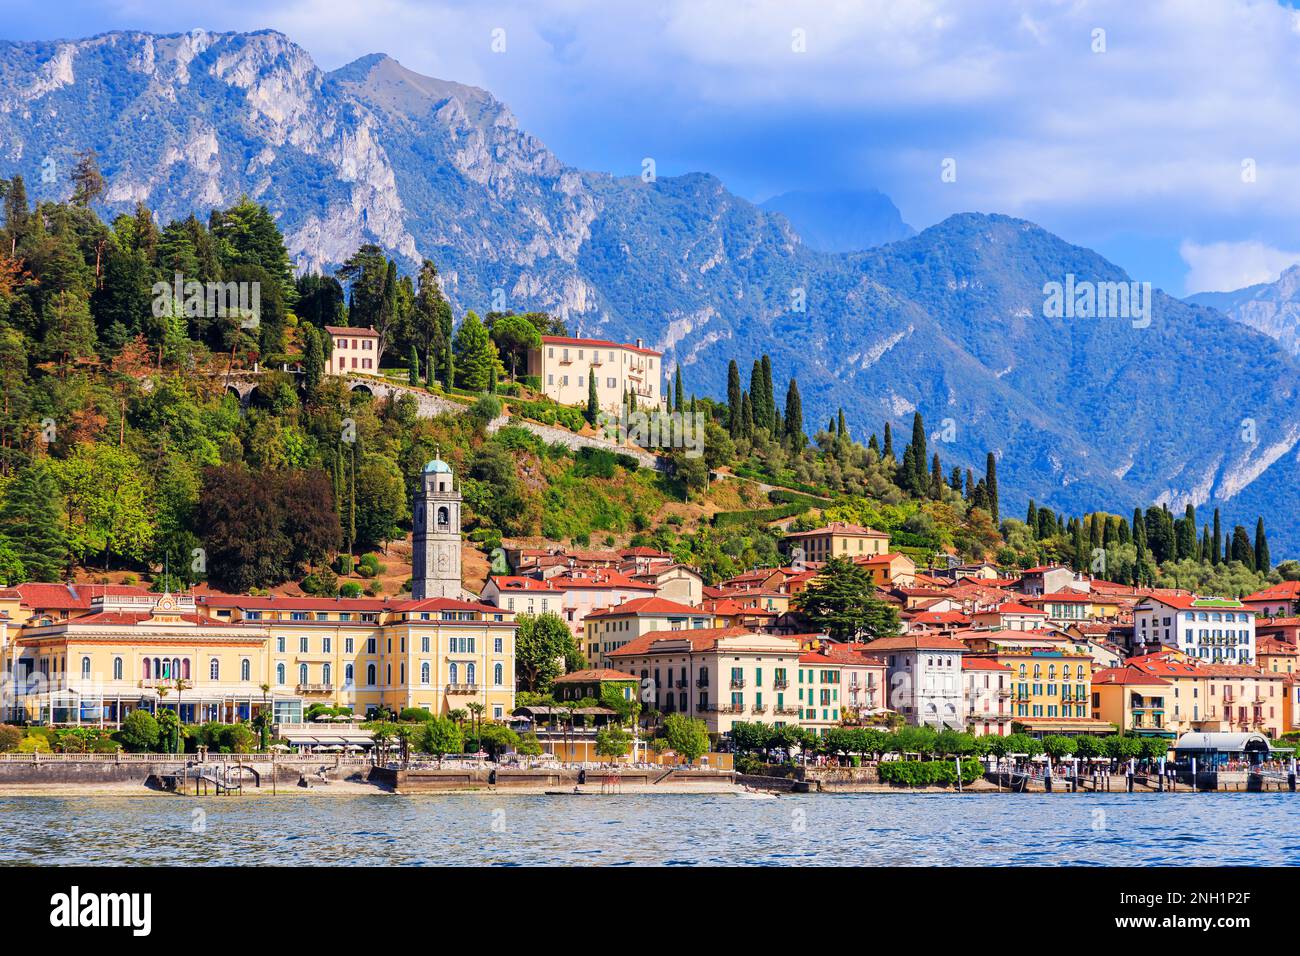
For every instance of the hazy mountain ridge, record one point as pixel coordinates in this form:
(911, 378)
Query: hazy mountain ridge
(1084, 412)
(1269, 307)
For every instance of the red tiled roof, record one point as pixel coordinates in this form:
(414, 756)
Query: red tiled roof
(66, 597)
(840, 527)
(593, 674)
(597, 343)
(514, 582)
(982, 664)
(645, 605)
(700, 638)
(915, 642)
(1011, 607)
(348, 330)
(602, 580)
(1282, 591)
(1127, 676)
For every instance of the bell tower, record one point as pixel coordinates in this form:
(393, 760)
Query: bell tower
(435, 557)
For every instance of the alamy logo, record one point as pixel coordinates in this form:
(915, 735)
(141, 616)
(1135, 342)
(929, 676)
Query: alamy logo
(1084, 299)
(209, 300)
(75, 909)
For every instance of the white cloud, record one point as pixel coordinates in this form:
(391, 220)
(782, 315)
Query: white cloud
(1225, 266)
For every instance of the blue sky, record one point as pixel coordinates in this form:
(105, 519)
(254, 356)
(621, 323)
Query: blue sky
(1131, 141)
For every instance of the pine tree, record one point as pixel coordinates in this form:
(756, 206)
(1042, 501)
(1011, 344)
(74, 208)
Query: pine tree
(32, 521)
(794, 417)
(733, 399)
(1263, 563)
(476, 355)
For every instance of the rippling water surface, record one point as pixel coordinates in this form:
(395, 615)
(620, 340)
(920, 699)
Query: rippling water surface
(688, 830)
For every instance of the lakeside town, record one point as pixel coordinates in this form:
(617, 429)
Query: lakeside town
(616, 660)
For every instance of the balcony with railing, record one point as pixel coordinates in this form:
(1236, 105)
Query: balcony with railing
(315, 688)
(462, 688)
(737, 683)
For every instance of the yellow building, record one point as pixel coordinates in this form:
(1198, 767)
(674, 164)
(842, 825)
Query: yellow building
(838, 540)
(228, 657)
(126, 655)
(370, 653)
(1136, 703)
(1050, 689)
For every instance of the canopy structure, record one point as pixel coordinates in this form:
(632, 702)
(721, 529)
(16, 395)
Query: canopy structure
(1223, 751)
(329, 736)
(1222, 743)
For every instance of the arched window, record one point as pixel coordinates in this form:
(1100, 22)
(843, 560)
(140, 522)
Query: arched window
(185, 668)
(148, 670)
(325, 673)
(214, 669)
(117, 668)
(370, 675)
(469, 673)
(245, 669)
(85, 668)
(302, 673)
(279, 674)
(444, 517)
(424, 673)
(348, 674)
(496, 674)
(453, 672)
(176, 668)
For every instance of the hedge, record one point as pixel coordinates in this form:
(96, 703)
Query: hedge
(929, 773)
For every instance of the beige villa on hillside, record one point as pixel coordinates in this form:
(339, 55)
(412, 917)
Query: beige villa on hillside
(563, 365)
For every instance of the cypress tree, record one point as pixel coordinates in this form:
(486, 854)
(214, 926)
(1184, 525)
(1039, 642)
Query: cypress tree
(1031, 518)
(991, 483)
(413, 366)
(840, 429)
(677, 388)
(1204, 556)
(874, 445)
(1262, 561)
(888, 450)
(919, 457)
(1241, 549)
(954, 479)
(1216, 554)
(770, 415)
(746, 416)
(936, 479)
(733, 399)
(757, 399)
(970, 485)
(794, 416)
(593, 400)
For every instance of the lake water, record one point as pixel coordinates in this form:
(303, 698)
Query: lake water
(688, 830)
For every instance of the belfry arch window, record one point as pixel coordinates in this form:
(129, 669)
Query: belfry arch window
(444, 517)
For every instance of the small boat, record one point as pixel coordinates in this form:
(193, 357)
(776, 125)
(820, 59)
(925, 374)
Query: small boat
(569, 793)
(756, 795)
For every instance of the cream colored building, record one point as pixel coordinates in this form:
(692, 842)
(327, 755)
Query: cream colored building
(354, 350)
(719, 675)
(563, 366)
(608, 629)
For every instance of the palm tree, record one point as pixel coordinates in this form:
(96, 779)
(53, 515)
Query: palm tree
(476, 719)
